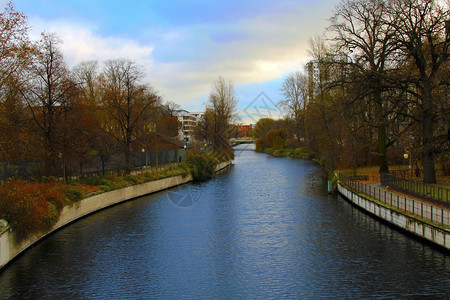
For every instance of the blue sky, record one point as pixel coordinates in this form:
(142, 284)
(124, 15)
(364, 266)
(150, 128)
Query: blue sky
(186, 45)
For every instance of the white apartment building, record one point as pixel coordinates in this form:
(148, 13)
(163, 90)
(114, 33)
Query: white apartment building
(188, 121)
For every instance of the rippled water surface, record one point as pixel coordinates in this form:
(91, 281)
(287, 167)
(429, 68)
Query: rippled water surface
(264, 228)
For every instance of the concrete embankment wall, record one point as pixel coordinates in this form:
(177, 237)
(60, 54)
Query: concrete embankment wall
(9, 249)
(429, 232)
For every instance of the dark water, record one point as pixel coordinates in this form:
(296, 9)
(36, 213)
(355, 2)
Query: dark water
(264, 228)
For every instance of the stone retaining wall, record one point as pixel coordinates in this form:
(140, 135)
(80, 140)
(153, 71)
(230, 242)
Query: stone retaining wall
(437, 235)
(9, 249)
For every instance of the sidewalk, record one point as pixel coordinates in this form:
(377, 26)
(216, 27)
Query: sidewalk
(424, 209)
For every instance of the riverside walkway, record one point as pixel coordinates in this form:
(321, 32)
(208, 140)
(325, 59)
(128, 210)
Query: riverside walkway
(438, 214)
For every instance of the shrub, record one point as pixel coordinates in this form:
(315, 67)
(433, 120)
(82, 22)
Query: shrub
(73, 194)
(276, 138)
(260, 144)
(52, 193)
(201, 166)
(30, 208)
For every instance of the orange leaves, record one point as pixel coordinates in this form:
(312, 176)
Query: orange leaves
(30, 207)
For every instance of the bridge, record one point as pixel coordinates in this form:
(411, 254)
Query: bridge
(235, 142)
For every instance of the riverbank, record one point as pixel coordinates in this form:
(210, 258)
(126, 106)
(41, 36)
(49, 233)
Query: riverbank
(9, 248)
(424, 221)
(298, 153)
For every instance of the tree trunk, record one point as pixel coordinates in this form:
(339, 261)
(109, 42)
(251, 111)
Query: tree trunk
(381, 143)
(429, 171)
(382, 150)
(103, 164)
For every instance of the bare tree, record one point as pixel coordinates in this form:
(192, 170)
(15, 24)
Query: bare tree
(49, 96)
(420, 34)
(86, 74)
(126, 100)
(295, 93)
(222, 102)
(360, 30)
(171, 108)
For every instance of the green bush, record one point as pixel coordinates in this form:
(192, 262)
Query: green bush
(201, 167)
(72, 194)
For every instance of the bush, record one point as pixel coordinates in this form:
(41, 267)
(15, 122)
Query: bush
(73, 194)
(30, 208)
(260, 144)
(201, 166)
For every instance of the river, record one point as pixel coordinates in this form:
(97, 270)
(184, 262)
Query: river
(263, 228)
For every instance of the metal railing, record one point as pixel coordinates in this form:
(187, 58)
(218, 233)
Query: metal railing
(92, 165)
(426, 211)
(426, 191)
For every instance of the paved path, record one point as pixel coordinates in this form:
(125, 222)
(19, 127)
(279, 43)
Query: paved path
(424, 209)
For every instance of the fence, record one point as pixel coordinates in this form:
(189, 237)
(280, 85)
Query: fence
(415, 188)
(91, 165)
(420, 209)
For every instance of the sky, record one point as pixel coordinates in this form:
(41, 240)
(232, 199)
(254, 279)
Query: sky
(184, 46)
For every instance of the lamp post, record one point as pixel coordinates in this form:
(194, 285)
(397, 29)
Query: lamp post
(406, 156)
(143, 151)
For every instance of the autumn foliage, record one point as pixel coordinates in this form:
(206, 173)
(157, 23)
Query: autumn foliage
(30, 207)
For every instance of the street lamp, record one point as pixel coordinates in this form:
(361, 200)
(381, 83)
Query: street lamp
(143, 151)
(406, 155)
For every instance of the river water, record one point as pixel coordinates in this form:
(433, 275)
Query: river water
(263, 228)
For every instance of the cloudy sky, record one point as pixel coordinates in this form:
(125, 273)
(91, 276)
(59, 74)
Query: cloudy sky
(186, 45)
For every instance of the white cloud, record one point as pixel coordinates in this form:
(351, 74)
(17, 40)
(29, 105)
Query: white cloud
(182, 62)
(81, 44)
(272, 46)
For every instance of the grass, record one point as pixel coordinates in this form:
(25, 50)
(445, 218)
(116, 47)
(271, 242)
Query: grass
(373, 173)
(110, 183)
(409, 187)
(298, 153)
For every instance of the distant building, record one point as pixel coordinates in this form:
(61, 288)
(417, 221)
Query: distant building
(244, 130)
(188, 122)
(319, 72)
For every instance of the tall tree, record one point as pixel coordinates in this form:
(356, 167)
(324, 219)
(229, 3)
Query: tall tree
(321, 101)
(203, 132)
(16, 50)
(49, 95)
(126, 100)
(360, 30)
(295, 93)
(420, 34)
(16, 55)
(222, 102)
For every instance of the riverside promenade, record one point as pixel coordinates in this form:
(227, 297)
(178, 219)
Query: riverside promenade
(422, 218)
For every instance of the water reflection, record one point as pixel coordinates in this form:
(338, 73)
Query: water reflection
(264, 228)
